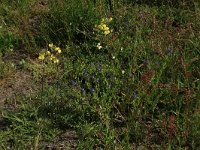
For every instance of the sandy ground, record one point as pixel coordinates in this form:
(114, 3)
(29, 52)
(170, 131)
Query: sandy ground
(17, 84)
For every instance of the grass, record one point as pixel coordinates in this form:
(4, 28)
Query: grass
(134, 88)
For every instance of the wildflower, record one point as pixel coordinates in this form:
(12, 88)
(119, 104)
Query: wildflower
(99, 46)
(100, 27)
(52, 57)
(123, 71)
(51, 45)
(56, 61)
(113, 57)
(82, 90)
(48, 52)
(93, 90)
(106, 29)
(58, 49)
(106, 32)
(41, 56)
(104, 26)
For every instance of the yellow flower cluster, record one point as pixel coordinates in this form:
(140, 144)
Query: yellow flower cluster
(51, 54)
(103, 25)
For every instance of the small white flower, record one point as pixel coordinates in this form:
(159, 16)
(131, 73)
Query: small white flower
(113, 57)
(122, 48)
(99, 46)
(123, 71)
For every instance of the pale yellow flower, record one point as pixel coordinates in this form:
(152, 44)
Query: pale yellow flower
(59, 51)
(100, 27)
(41, 56)
(57, 48)
(51, 45)
(48, 52)
(110, 19)
(106, 32)
(52, 57)
(56, 61)
(106, 28)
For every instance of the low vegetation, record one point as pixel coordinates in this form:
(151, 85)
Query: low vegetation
(99, 74)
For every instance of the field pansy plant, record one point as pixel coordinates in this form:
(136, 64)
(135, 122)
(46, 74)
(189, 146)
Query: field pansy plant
(51, 54)
(103, 26)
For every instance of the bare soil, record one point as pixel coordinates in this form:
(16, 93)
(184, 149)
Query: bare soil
(19, 83)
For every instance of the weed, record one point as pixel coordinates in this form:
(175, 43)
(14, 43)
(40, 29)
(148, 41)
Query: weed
(128, 76)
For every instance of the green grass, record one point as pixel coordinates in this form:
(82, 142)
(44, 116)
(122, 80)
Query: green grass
(139, 91)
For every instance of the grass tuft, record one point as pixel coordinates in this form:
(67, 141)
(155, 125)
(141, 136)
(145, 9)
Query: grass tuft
(123, 75)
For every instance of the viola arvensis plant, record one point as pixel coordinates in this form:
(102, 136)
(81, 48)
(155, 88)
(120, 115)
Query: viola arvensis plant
(51, 54)
(103, 27)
